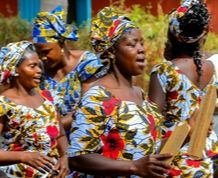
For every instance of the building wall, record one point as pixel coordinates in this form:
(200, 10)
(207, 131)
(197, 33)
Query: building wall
(9, 8)
(167, 5)
(213, 5)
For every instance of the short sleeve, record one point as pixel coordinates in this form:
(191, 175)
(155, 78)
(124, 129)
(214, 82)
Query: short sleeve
(90, 123)
(88, 66)
(160, 71)
(4, 107)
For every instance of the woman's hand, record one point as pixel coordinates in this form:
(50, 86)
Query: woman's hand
(62, 167)
(152, 166)
(38, 161)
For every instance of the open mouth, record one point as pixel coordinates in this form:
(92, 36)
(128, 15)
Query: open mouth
(37, 79)
(141, 62)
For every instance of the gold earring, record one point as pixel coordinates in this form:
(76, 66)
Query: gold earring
(62, 50)
(44, 58)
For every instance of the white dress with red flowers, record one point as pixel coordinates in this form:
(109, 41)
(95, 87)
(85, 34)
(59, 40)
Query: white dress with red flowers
(183, 98)
(117, 129)
(29, 129)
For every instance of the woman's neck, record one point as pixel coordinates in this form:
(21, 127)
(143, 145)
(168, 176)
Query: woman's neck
(123, 80)
(18, 90)
(183, 56)
(69, 62)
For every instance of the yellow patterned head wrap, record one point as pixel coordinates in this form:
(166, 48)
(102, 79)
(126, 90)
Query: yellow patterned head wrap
(9, 58)
(107, 27)
(49, 27)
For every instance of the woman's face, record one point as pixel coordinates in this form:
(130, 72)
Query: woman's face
(50, 54)
(130, 53)
(30, 72)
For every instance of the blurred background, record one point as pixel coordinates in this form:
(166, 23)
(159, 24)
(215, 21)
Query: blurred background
(151, 16)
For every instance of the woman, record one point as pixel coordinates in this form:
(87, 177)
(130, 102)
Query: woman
(178, 84)
(64, 68)
(115, 133)
(34, 142)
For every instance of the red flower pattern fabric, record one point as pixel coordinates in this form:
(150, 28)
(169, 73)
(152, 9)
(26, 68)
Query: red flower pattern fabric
(53, 133)
(183, 98)
(110, 105)
(47, 95)
(212, 153)
(167, 134)
(29, 172)
(16, 147)
(182, 9)
(152, 127)
(113, 144)
(117, 129)
(29, 130)
(174, 172)
(113, 28)
(6, 74)
(173, 95)
(193, 163)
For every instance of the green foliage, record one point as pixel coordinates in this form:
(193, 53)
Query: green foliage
(153, 28)
(154, 31)
(84, 40)
(14, 29)
(211, 44)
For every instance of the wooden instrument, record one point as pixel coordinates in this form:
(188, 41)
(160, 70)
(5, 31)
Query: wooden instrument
(176, 140)
(202, 124)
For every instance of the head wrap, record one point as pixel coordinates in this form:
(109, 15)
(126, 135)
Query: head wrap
(174, 25)
(107, 27)
(9, 58)
(49, 27)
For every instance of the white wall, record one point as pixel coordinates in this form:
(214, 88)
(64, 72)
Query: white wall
(48, 5)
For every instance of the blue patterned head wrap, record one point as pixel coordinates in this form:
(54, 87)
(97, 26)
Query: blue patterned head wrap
(49, 27)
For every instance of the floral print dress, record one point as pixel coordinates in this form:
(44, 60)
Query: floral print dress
(182, 99)
(29, 129)
(117, 129)
(67, 92)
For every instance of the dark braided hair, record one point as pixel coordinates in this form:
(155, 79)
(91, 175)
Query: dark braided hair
(193, 24)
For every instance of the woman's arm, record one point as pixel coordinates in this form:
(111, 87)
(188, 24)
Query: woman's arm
(96, 164)
(67, 120)
(62, 140)
(155, 92)
(62, 165)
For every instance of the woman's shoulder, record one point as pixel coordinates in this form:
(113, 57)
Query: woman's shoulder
(4, 105)
(96, 91)
(7, 96)
(162, 67)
